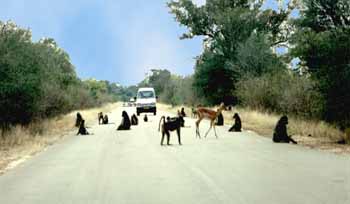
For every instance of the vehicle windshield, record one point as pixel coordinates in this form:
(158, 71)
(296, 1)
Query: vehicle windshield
(145, 94)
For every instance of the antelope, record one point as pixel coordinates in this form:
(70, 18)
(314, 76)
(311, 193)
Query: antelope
(209, 114)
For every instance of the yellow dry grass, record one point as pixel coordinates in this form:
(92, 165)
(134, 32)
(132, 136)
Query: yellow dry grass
(22, 141)
(313, 134)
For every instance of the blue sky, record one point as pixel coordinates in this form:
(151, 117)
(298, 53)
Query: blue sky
(115, 40)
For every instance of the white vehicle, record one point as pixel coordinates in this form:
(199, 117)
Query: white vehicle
(146, 101)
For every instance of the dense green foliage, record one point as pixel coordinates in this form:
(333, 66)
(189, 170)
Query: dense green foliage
(230, 28)
(281, 92)
(125, 93)
(238, 64)
(37, 79)
(322, 44)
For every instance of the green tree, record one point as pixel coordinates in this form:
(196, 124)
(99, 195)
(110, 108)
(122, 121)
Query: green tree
(159, 79)
(38, 80)
(59, 76)
(322, 44)
(255, 58)
(19, 76)
(213, 81)
(226, 25)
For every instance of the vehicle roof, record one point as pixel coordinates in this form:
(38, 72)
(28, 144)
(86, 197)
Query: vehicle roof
(146, 89)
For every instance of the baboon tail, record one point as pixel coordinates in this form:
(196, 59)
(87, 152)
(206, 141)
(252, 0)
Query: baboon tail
(163, 117)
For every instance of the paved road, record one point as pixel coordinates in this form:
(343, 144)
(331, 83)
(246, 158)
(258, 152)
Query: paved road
(131, 167)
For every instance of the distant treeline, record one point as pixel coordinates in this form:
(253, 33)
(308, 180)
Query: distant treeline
(38, 80)
(240, 65)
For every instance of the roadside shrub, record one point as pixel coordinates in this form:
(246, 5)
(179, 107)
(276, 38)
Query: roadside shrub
(347, 135)
(282, 92)
(179, 91)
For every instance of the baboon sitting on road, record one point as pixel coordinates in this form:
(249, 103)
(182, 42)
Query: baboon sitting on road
(125, 124)
(194, 113)
(145, 119)
(100, 118)
(280, 135)
(170, 125)
(134, 120)
(78, 120)
(220, 120)
(105, 120)
(237, 127)
(182, 113)
(82, 129)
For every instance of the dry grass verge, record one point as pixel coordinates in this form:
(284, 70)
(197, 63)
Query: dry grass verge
(312, 134)
(23, 142)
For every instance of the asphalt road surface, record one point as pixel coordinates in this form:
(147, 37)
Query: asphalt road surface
(120, 167)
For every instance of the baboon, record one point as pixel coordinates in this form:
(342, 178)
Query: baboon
(100, 118)
(82, 129)
(145, 118)
(125, 124)
(171, 124)
(78, 120)
(182, 121)
(237, 127)
(105, 120)
(134, 120)
(183, 114)
(220, 120)
(280, 134)
(194, 113)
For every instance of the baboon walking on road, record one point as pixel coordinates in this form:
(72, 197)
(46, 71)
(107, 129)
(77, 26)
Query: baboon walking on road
(180, 118)
(171, 124)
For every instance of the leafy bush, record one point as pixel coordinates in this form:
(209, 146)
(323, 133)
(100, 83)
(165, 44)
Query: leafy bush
(283, 92)
(177, 90)
(321, 42)
(19, 76)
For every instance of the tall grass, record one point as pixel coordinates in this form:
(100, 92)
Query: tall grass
(264, 123)
(23, 141)
(49, 129)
